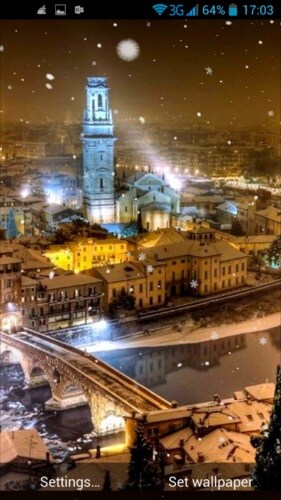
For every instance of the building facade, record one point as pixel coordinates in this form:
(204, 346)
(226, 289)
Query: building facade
(10, 290)
(83, 254)
(145, 282)
(98, 154)
(268, 221)
(60, 301)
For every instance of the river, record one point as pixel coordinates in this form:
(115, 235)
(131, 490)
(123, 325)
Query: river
(189, 373)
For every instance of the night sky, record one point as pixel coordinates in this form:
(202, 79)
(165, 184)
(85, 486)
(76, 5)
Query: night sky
(167, 83)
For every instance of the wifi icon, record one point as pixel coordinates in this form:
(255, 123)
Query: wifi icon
(160, 8)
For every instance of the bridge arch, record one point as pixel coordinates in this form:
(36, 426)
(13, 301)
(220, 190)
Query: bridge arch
(38, 376)
(12, 355)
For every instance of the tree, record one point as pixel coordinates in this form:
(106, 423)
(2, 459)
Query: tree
(264, 196)
(257, 262)
(236, 228)
(140, 228)
(274, 252)
(11, 228)
(266, 474)
(144, 471)
(107, 481)
(125, 300)
(60, 236)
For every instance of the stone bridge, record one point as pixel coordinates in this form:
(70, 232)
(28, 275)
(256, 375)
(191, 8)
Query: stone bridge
(77, 378)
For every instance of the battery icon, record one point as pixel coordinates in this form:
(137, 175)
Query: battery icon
(232, 10)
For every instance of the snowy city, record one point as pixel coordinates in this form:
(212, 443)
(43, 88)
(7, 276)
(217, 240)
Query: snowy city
(140, 254)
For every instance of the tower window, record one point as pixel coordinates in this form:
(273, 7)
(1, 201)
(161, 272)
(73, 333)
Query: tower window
(101, 182)
(100, 101)
(101, 156)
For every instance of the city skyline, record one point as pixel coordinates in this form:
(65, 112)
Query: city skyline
(202, 72)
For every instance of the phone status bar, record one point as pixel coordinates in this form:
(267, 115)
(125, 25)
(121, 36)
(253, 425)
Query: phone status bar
(144, 10)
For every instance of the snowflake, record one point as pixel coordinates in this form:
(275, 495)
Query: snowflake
(179, 365)
(128, 50)
(247, 66)
(148, 24)
(115, 25)
(207, 363)
(142, 119)
(215, 336)
(9, 87)
(99, 45)
(94, 63)
(49, 76)
(260, 42)
(208, 70)
(270, 113)
(228, 23)
(199, 114)
(108, 271)
(128, 254)
(221, 439)
(49, 86)
(2, 48)
(149, 268)
(194, 284)
(263, 341)
(142, 256)
(115, 112)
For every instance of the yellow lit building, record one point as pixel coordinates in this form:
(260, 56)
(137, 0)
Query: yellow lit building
(249, 244)
(145, 281)
(83, 254)
(200, 268)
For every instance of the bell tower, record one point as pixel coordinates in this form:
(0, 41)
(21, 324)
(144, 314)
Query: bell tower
(98, 154)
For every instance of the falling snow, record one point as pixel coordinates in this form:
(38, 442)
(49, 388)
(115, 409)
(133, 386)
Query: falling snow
(194, 284)
(270, 113)
(49, 76)
(2, 48)
(149, 268)
(49, 86)
(215, 335)
(263, 341)
(142, 119)
(209, 71)
(142, 256)
(128, 50)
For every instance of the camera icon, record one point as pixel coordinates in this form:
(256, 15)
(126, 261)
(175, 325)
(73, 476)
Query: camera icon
(78, 9)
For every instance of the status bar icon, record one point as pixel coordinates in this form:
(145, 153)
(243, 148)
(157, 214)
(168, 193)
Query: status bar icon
(193, 12)
(233, 10)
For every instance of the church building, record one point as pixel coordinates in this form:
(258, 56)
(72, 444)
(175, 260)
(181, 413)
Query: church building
(145, 194)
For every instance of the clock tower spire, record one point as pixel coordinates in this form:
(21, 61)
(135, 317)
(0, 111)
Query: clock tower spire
(98, 154)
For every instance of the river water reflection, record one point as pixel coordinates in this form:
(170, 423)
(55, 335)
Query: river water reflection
(189, 374)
